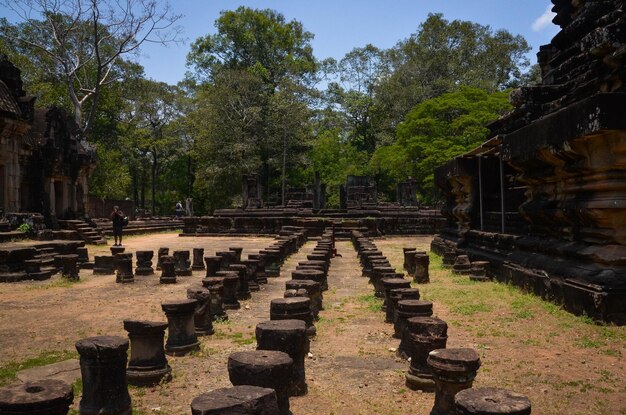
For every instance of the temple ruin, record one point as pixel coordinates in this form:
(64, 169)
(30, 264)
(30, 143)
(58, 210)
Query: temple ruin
(543, 198)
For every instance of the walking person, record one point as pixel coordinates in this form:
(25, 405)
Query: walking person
(117, 217)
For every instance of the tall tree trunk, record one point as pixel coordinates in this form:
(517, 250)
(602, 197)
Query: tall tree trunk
(143, 188)
(282, 179)
(154, 174)
(135, 188)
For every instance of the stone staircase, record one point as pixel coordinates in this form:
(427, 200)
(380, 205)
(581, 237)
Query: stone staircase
(87, 232)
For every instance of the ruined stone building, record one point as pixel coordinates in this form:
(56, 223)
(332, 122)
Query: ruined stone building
(44, 161)
(544, 198)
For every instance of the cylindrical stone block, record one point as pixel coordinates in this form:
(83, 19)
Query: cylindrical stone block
(253, 266)
(288, 336)
(215, 285)
(243, 291)
(168, 271)
(491, 401)
(389, 284)
(124, 268)
(144, 263)
(228, 258)
(409, 260)
(69, 266)
(231, 285)
(237, 251)
(198, 264)
(313, 275)
(314, 292)
(448, 259)
(264, 368)
(39, 397)
(297, 308)
(462, 265)
(238, 400)
(453, 371)
(395, 295)
(181, 338)
(421, 274)
(406, 309)
(421, 336)
(478, 271)
(103, 265)
(202, 318)
(103, 372)
(161, 253)
(182, 263)
(117, 250)
(212, 265)
(148, 364)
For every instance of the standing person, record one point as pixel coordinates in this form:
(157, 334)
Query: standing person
(117, 217)
(179, 209)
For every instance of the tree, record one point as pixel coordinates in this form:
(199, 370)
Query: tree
(81, 43)
(260, 41)
(335, 159)
(246, 72)
(444, 55)
(359, 73)
(437, 130)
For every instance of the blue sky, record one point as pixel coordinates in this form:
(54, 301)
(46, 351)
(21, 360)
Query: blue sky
(341, 25)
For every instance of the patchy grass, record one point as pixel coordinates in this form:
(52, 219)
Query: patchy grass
(9, 370)
(370, 302)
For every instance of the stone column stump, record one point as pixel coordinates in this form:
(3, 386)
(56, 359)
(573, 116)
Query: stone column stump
(237, 251)
(40, 397)
(198, 264)
(478, 271)
(297, 308)
(453, 371)
(264, 368)
(103, 372)
(148, 364)
(406, 309)
(314, 292)
(168, 271)
(313, 275)
(395, 295)
(83, 258)
(203, 321)
(69, 268)
(144, 263)
(288, 336)
(181, 337)
(215, 285)
(231, 286)
(124, 268)
(491, 401)
(212, 265)
(423, 335)
(462, 265)
(421, 274)
(243, 291)
(253, 266)
(117, 250)
(238, 400)
(390, 284)
(182, 263)
(161, 253)
(449, 257)
(103, 265)
(409, 259)
(227, 259)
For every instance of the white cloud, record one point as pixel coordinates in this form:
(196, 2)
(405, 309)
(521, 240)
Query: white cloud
(544, 20)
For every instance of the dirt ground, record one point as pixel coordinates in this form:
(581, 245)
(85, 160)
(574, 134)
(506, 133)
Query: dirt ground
(563, 364)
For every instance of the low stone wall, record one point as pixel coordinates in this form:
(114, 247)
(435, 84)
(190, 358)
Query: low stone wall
(257, 225)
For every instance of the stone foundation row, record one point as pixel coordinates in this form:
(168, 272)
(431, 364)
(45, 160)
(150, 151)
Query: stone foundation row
(449, 373)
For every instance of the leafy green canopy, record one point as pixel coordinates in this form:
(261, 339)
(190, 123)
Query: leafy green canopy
(254, 40)
(437, 130)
